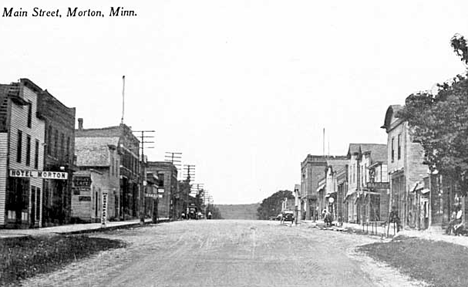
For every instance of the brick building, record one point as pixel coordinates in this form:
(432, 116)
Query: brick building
(129, 165)
(312, 171)
(166, 172)
(58, 156)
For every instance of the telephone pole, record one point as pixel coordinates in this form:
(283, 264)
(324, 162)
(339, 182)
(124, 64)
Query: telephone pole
(176, 159)
(143, 182)
(190, 175)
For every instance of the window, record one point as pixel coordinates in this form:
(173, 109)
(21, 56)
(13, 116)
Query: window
(393, 150)
(29, 114)
(28, 150)
(67, 152)
(49, 141)
(19, 146)
(161, 179)
(56, 143)
(62, 146)
(36, 155)
(399, 146)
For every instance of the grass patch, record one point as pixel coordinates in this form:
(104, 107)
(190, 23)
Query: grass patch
(435, 262)
(25, 257)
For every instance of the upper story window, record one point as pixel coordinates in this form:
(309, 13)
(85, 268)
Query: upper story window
(49, 140)
(29, 123)
(28, 150)
(67, 151)
(36, 155)
(393, 149)
(399, 146)
(56, 143)
(19, 146)
(62, 146)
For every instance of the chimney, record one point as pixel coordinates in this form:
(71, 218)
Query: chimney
(80, 124)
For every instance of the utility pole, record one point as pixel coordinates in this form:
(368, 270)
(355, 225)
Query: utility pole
(190, 174)
(175, 158)
(143, 181)
(123, 99)
(197, 188)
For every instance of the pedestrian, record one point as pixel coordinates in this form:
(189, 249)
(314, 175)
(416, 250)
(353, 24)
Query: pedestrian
(456, 219)
(209, 214)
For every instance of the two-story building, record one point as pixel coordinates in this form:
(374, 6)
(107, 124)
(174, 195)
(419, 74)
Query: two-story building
(21, 156)
(166, 172)
(360, 157)
(98, 162)
(58, 156)
(405, 167)
(128, 161)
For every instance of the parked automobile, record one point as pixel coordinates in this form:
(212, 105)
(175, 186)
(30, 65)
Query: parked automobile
(288, 216)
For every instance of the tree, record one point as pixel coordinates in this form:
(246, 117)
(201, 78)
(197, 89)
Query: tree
(271, 206)
(458, 44)
(440, 123)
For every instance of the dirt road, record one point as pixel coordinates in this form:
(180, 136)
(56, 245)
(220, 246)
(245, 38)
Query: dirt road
(228, 253)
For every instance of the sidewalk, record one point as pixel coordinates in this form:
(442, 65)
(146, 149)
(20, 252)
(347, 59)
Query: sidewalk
(434, 235)
(72, 228)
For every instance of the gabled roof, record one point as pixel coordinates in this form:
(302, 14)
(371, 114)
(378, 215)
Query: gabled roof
(378, 152)
(94, 151)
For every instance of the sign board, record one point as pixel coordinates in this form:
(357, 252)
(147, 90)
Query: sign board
(38, 174)
(331, 200)
(82, 181)
(378, 185)
(104, 209)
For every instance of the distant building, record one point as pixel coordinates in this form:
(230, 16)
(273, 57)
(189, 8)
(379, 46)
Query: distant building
(328, 186)
(166, 172)
(361, 156)
(312, 171)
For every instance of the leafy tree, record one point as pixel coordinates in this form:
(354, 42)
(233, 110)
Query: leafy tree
(271, 206)
(458, 44)
(440, 123)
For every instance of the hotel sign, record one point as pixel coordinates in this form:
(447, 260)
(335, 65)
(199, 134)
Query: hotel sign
(38, 174)
(378, 185)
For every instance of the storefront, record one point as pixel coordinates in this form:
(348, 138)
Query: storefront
(25, 198)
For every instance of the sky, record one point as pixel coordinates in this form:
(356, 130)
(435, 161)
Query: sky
(243, 89)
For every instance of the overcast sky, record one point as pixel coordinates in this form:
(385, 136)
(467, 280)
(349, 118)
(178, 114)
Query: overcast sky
(243, 89)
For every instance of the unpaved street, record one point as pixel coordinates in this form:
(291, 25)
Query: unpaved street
(227, 253)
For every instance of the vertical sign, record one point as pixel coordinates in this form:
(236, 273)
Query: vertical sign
(104, 209)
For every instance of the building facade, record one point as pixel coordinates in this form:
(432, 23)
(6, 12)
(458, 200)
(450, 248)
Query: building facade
(360, 201)
(58, 156)
(98, 159)
(167, 173)
(312, 169)
(21, 156)
(405, 167)
(129, 165)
